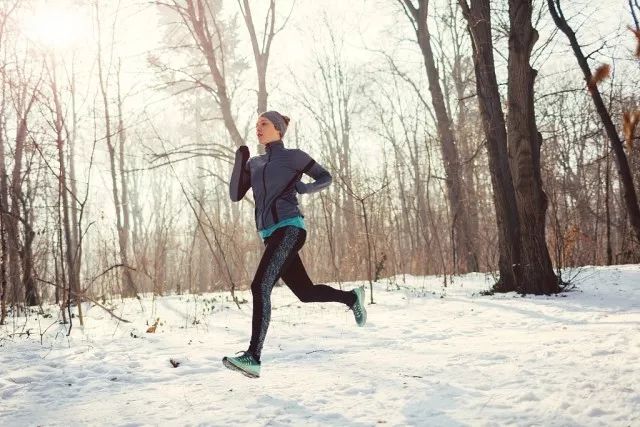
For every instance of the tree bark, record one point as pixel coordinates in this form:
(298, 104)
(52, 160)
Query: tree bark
(3, 268)
(524, 141)
(478, 17)
(4, 204)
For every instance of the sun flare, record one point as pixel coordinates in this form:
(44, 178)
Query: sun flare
(56, 26)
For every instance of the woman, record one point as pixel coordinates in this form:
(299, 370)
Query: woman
(274, 178)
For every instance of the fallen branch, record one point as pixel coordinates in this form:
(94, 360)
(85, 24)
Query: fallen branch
(85, 296)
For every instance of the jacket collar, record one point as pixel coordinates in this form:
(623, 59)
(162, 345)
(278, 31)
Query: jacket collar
(274, 146)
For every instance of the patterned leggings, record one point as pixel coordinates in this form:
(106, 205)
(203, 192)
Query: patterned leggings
(281, 259)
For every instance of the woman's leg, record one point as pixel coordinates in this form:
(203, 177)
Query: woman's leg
(295, 276)
(281, 246)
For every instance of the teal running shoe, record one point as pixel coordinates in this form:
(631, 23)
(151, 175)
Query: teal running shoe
(246, 364)
(359, 310)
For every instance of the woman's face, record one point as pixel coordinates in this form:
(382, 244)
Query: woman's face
(266, 131)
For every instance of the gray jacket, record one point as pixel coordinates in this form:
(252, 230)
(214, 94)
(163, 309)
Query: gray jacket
(274, 178)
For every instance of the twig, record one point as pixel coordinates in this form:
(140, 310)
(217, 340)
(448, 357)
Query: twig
(84, 295)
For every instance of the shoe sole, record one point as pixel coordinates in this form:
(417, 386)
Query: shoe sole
(364, 309)
(229, 364)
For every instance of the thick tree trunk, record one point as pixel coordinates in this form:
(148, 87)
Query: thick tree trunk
(524, 141)
(478, 17)
(3, 268)
(4, 190)
(4, 209)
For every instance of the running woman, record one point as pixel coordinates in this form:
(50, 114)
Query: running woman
(274, 178)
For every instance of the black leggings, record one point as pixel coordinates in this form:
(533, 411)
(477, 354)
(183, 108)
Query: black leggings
(281, 259)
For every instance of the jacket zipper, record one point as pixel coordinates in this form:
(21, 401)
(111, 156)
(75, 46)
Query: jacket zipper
(264, 199)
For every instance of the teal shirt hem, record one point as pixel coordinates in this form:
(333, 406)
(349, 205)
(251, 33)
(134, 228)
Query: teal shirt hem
(296, 221)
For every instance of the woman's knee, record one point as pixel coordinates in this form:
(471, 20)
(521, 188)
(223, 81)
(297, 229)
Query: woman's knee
(256, 287)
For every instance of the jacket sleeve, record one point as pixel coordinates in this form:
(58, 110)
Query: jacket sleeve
(240, 176)
(321, 176)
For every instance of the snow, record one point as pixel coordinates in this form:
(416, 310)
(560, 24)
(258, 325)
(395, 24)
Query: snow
(428, 355)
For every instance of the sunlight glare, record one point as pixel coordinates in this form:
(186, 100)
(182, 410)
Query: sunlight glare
(56, 27)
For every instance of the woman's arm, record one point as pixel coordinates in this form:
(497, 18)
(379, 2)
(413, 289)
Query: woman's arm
(321, 176)
(241, 175)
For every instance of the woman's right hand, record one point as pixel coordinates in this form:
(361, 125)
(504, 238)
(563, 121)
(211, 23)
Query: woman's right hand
(240, 176)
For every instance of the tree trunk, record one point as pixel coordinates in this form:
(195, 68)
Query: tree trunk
(128, 288)
(466, 148)
(261, 53)
(450, 155)
(4, 208)
(607, 206)
(75, 224)
(196, 16)
(3, 269)
(124, 191)
(478, 17)
(12, 220)
(31, 296)
(74, 287)
(524, 141)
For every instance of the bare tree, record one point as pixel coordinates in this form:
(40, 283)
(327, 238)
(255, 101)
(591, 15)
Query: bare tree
(451, 157)
(399, 120)
(624, 172)
(202, 20)
(261, 51)
(521, 204)
(25, 87)
(63, 188)
(4, 186)
(478, 17)
(524, 140)
(331, 99)
(372, 258)
(119, 194)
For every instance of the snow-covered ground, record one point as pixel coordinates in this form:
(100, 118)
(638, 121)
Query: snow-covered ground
(428, 356)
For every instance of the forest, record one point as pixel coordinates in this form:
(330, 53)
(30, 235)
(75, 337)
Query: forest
(466, 173)
(462, 136)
